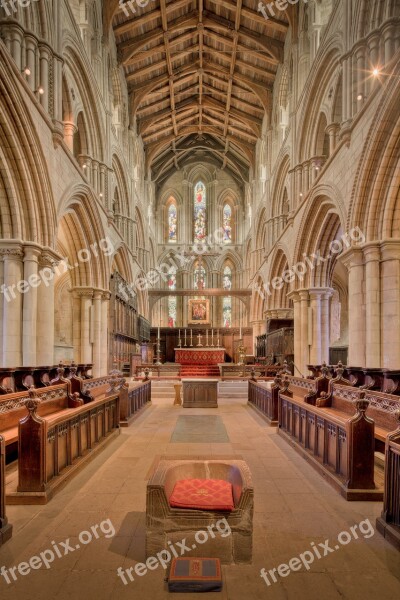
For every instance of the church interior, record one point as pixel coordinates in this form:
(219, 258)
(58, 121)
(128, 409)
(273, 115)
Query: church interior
(199, 299)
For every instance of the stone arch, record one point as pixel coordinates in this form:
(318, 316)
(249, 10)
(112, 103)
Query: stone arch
(322, 224)
(80, 232)
(279, 289)
(374, 205)
(27, 203)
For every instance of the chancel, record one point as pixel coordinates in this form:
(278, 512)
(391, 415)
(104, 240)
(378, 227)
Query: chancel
(199, 299)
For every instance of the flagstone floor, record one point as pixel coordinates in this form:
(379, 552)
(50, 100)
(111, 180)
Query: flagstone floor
(294, 508)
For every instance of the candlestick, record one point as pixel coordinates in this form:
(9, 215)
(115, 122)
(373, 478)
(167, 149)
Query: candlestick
(191, 337)
(207, 338)
(185, 344)
(158, 335)
(212, 338)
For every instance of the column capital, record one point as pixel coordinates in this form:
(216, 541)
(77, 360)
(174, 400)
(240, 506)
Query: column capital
(390, 250)
(303, 294)
(82, 292)
(32, 252)
(294, 296)
(14, 251)
(325, 292)
(353, 257)
(372, 251)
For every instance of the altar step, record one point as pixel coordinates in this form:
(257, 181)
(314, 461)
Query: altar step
(233, 389)
(162, 389)
(200, 371)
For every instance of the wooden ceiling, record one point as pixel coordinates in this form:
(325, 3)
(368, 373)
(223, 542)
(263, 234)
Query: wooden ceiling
(199, 74)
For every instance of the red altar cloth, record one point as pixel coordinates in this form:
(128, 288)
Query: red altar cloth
(199, 356)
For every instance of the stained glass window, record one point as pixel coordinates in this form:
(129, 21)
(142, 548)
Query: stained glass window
(200, 212)
(227, 224)
(227, 278)
(227, 312)
(172, 311)
(199, 277)
(172, 301)
(172, 223)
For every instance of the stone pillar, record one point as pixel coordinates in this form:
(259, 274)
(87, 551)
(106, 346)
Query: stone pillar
(185, 286)
(325, 324)
(86, 295)
(304, 350)
(2, 300)
(30, 47)
(69, 131)
(105, 303)
(76, 325)
(372, 305)
(332, 131)
(390, 301)
(30, 305)
(315, 304)
(45, 312)
(12, 306)
(97, 333)
(353, 260)
(17, 36)
(295, 296)
(44, 60)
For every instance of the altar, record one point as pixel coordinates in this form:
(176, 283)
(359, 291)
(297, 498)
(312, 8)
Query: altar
(200, 356)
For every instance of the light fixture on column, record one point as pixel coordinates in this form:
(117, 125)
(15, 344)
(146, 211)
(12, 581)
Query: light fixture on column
(39, 91)
(376, 72)
(360, 97)
(301, 195)
(100, 195)
(26, 71)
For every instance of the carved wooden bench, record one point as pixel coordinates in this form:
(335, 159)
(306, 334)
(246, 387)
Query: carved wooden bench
(5, 527)
(382, 408)
(339, 446)
(53, 400)
(52, 447)
(388, 524)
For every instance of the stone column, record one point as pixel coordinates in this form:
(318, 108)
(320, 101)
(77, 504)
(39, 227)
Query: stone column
(30, 305)
(185, 286)
(12, 306)
(45, 312)
(304, 350)
(69, 131)
(315, 304)
(295, 297)
(325, 324)
(353, 260)
(390, 302)
(76, 325)
(44, 60)
(2, 300)
(30, 47)
(86, 295)
(97, 333)
(17, 36)
(332, 131)
(372, 305)
(105, 303)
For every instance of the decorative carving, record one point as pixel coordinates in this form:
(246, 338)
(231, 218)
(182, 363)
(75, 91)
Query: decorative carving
(33, 403)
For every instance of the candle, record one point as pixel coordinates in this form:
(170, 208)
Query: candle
(179, 335)
(158, 336)
(240, 333)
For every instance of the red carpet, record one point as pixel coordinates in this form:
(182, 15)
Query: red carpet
(199, 371)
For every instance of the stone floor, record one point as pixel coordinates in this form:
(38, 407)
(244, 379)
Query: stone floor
(294, 508)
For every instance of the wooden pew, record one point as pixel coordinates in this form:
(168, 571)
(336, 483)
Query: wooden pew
(341, 448)
(53, 400)
(263, 395)
(132, 400)
(388, 524)
(382, 408)
(306, 390)
(5, 527)
(51, 448)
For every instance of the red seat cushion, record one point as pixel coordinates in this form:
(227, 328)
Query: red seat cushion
(203, 494)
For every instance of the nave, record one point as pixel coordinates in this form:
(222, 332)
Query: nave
(294, 508)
